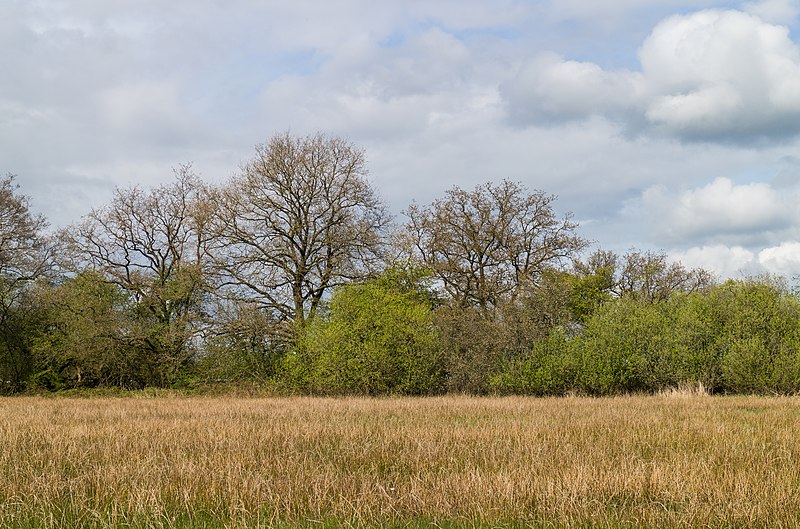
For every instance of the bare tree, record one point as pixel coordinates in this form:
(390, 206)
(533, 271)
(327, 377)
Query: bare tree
(652, 276)
(299, 219)
(25, 256)
(649, 276)
(484, 244)
(152, 244)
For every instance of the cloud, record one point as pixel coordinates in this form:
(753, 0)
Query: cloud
(732, 262)
(97, 94)
(723, 261)
(775, 11)
(427, 80)
(714, 75)
(719, 211)
(782, 260)
(551, 90)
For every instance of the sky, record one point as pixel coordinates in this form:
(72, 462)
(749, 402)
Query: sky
(664, 125)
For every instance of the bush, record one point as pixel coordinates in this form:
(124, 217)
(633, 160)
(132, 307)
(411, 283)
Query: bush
(377, 339)
(547, 369)
(471, 346)
(248, 345)
(760, 337)
(86, 338)
(627, 346)
(738, 337)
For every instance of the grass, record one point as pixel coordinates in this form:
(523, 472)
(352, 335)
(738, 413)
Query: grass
(665, 461)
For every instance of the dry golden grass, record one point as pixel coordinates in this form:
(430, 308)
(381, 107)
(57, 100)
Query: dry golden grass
(664, 461)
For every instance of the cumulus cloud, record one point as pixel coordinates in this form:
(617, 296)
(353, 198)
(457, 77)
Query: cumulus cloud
(737, 262)
(723, 261)
(782, 260)
(775, 11)
(733, 230)
(430, 79)
(551, 89)
(721, 210)
(719, 75)
(97, 94)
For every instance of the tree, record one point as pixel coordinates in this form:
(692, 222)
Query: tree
(377, 338)
(245, 343)
(649, 276)
(152, 245)
(25, 256)
(484, 244)
(300, 219)
(85, 340)
(652, 276)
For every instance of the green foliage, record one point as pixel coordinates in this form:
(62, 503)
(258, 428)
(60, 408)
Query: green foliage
(155, 291)
(481, 349)
(86, 339)
(164, 316)
(588, 293)
(626, 347)
(378, 338)
(760, 338)
(548, 368)
(18, 324)
(739, 337)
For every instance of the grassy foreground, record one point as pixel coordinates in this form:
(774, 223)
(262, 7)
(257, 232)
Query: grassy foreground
(667, 461)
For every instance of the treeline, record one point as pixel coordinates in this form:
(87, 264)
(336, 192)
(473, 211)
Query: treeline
(292, 276)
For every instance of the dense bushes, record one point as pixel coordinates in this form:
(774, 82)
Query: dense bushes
(738, 337)
(281, 278)
(377, 338)
(391, 335)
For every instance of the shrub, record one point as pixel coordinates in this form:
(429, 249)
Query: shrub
(376, 339)
(548, 368)
(627, 346)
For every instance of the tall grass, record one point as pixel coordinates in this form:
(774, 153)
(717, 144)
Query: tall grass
(660, 461)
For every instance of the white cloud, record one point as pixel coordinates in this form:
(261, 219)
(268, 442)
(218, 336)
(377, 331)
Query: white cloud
(97, 94)
(721, 73)
(711, 75)
(429, 80)
(782, 260)
(552, 89)
(718, 211)
(737, 262)
(723, 261)
(775, 11)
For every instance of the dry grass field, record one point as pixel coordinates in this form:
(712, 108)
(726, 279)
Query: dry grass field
(664, 461)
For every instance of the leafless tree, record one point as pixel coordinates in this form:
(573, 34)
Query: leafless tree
(25, 253)
(649, 275)
(299, 219)
(652, 276)
(484, 244)
(25, 256)
(152, 244)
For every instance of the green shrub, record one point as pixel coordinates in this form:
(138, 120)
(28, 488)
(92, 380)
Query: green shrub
(376, 339)
(759, 338)
(547, 369)
(738, 337)
(627, 346)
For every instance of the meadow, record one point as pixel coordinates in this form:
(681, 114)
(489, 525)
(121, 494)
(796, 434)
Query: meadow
(671, 460)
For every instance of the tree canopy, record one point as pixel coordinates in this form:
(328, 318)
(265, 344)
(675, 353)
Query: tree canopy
(291, 275)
